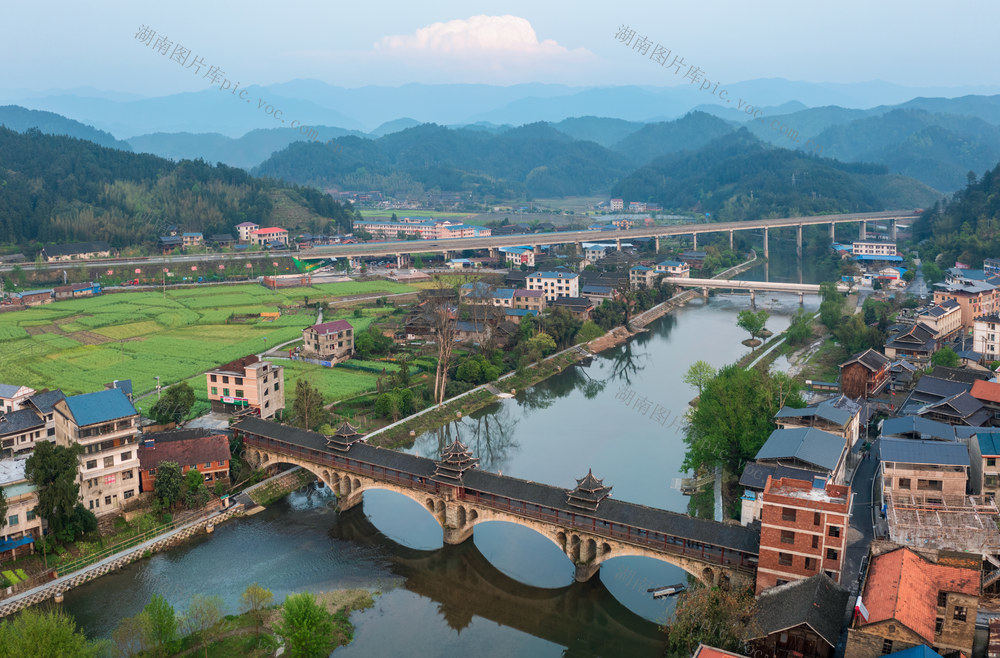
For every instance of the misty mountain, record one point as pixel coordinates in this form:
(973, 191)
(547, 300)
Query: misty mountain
(394, 126)
(688, 133)
(600, 130)
(21, 119)
(738, 177)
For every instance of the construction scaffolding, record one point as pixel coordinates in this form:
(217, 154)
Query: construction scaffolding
(951, 523)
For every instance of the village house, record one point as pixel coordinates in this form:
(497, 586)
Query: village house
(77, 290)
(988, 394)
(597, 293)
(694, 259)
(976, 298)
(19, 431)
(673, 268)
(192, 240)
(22, 526)
(989, 450)
(331, 341)
(106, 425)
(222, 240)
(840, 415)
(986, 336)
(944, 319)
(529, 300)
(806, 448)
(934, 468)
(803, 532)
(13, 397)
(641, 276)
(595, 252)
(191, 449)
(800, 618)
(555, 284)
(269, 236)
(170, 243)
(43, 404)
(247, 383)
(579, 307)
(916, 344)
(908, 601)
(244, 230)
(35, 297)
(754, 479)
(518, 256)
(864, 375)
(76, 251)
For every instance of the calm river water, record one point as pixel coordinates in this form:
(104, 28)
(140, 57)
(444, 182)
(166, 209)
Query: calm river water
(508, 591)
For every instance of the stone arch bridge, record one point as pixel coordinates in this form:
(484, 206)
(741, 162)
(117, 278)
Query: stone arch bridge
(586, 524)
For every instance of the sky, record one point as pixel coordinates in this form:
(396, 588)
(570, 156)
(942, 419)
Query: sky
(68, 45)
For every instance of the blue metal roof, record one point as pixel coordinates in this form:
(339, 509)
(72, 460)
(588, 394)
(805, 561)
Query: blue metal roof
(914, 451)
(868, 257)
(503, 293)
(925, 428)
(520, 311)
(100, 407)
(554, 275)
(806, 444)
(989, 443)
(670, 263)
(919, 651)
(642, 268)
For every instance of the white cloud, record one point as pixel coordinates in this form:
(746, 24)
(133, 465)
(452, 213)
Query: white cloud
(480, 37)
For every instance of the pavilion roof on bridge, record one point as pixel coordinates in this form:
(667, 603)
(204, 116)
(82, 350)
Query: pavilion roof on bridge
(344, 437)
(455, 460)
(589, 492)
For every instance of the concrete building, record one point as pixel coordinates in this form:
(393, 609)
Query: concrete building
(806, 448)
(529, 300)
(989, 450)
(640, 276)
(107, 426)
(244, 230)
(617, 205)
(976, 298)
(330, 341)
(192, 240)
(518, 256)
(840, 415)
(673, 268)
(803, 531)
(196, 449)
(262, 236)
(873, 248)
(247, 383)
(19, 431)
(909, 466)
(944, 319)
(23, 526)
(554, 284)
(909, 601)
(986, 336)
(13, 397)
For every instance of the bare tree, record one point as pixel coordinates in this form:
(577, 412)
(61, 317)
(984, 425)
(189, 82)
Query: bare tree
(443, 323)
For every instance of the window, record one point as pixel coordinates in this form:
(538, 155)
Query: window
(942, 599)
(834, 531)
(128, 494)
(30, 515)
(152, 471)
(817, 519)
(107, 500)
(214, 379)
(780, 581)
(785, 559)
(991, 461)
(208, 477)
(208, 464)
(938, 625)
(959, 612)
(12, 519)
(787, 514)
(92, 463)
(810, 564)
(91, 504)
(225, 392)
(125, 456)
(109, 461)
(215, 390)
(928, 485)
(238, 381)
(277, 386)
(815, 541)
(903, 483)
(239, 392)
(787, 537)
(126, 475)
(886, 647)
(225, 380)
(831, 554)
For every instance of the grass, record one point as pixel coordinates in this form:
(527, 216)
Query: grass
(177, 336)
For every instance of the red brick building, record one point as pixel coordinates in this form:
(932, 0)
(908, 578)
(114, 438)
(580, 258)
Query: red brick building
(190, 448)
(803, 530)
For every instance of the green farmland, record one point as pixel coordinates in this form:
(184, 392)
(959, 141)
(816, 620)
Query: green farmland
(79, 345)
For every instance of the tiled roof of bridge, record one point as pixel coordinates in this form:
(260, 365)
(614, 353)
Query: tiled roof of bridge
(545, 495)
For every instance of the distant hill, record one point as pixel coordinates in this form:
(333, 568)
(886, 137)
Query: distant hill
(394, 126)
(534, 160)
(737, 177)
(62, 189)
(688, 133)
(22, 119)
(600, 130)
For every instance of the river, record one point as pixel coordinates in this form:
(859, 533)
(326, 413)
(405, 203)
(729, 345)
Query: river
(508, 591)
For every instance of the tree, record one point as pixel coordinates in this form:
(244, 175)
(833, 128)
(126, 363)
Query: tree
(800, 328)
(255, 600)
(195, 493)
(752, 322)
(203, 614)
(733, 417)
(588, 332)
(52, 469)
(699, 374)
(305, 626)
(945, 357)
(720, 618)
(167, 486)
(162, 622)
(308, 411)
(174, 405)
(932, 273)
(40, 632)
(444, 333)
(132, 635)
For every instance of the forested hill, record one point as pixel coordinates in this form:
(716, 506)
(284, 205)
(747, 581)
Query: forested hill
(737, 177)
(967, 228)
(21, 119)
(60, 189)
(533, 160)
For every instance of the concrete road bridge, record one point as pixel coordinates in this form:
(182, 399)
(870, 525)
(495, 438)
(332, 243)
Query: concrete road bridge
(584, 522)
(753, 286)
(400, 249)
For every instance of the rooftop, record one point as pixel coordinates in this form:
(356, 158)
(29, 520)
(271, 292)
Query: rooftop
(554, 275)
(331, 327)
(12, 470)
(916, 451)
(15, 422)
(817, 602)
(835, 494)
(186, 451)
(99, 407)
(805, 444)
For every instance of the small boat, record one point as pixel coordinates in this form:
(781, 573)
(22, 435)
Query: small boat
(669, 590)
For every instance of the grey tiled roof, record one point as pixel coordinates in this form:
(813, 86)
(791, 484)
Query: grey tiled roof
(839, 410)
(805, 444)
(18, 421)
(916, 427)
(816, 601)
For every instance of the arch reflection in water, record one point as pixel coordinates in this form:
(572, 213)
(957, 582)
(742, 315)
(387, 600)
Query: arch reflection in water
(402, 520)
(523, 554)
(582, 617)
